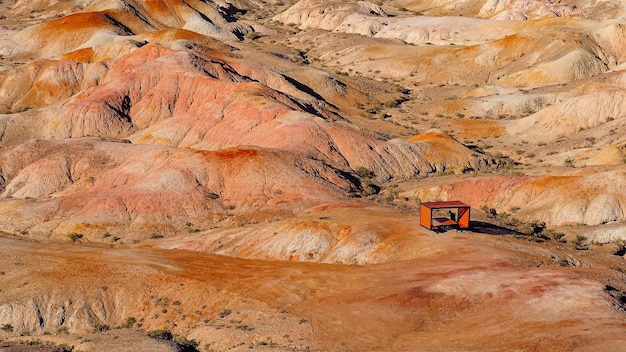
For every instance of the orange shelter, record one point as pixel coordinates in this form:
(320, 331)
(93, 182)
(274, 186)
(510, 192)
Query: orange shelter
(432, 221)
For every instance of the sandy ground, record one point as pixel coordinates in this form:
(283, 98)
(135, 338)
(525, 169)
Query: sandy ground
(470, 292)
(540, 99)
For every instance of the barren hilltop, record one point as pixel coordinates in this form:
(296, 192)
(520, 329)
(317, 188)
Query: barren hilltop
(197, 175)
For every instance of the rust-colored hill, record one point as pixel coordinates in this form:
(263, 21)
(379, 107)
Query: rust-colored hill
(235, 175)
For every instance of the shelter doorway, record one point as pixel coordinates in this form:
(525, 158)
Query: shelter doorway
(441, 215)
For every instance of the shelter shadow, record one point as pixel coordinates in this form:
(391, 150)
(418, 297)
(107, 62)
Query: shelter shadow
(492, 229)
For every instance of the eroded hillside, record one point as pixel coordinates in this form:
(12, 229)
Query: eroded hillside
(177, 162)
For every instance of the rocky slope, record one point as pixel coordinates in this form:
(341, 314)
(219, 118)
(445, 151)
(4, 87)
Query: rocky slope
(598, 196)
(183, 99)
(246, 174)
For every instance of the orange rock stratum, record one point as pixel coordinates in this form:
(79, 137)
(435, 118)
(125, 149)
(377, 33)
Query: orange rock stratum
(243, 175)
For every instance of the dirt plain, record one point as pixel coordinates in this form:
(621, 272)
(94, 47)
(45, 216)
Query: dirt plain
(245, 175)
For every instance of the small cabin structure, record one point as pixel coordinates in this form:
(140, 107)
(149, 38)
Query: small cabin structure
(440, 215)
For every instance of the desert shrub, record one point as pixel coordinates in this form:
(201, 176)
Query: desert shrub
(371, 189)
(500, 155)
(363, 172)
(537, 226)
(155, 236)
(75, 237)
(253, 35)
(553, 235)
(98, 326)
(63, 348)
(129, 322)
(186, 345)
(243, 327)
(160, 334)
(7, 328)
(579, 242)
(514, 222)
(618, 269)
(183, 344)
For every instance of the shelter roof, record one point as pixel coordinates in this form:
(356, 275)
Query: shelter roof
(443, 205)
